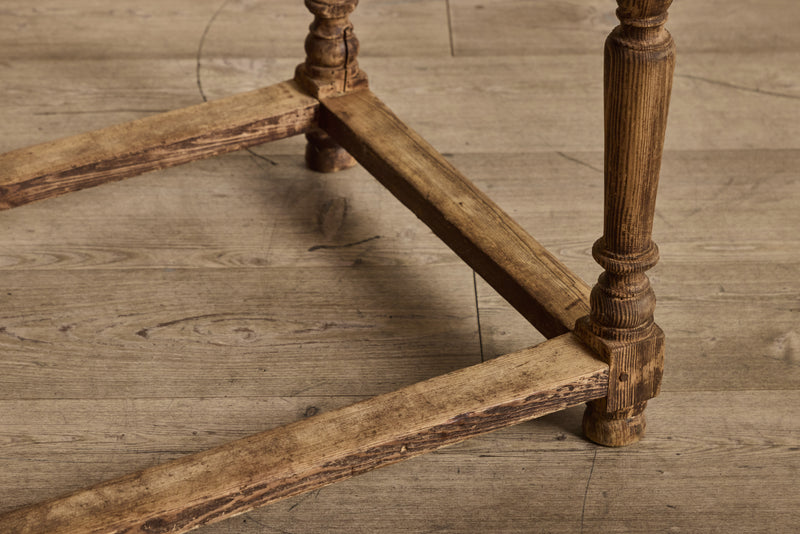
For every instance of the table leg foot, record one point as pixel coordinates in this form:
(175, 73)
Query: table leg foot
(616, 429)
(323, 154)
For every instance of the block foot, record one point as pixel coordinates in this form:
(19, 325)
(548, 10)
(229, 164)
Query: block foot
(616, 429)
(323, 154)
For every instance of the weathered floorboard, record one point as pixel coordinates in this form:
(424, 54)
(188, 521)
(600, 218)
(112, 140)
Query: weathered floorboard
(520, 27)
(231, 332)
(62, 29)
(540, 287)
(153, 143)
(234, 478)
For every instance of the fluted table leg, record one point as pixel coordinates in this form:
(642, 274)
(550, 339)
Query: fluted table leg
(639, 62)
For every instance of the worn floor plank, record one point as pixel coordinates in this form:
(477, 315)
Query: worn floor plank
(221, 332)
(55, 30)
(155, 142)
(554, 27)
(540, 287)
(54, 447)
(551, 104)
(672, 479)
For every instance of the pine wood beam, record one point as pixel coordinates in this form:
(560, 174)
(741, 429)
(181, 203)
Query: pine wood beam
(234, 478)
(153, 143)
(529, 277)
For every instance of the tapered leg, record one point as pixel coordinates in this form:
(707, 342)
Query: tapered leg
(639, 61)
(330, 68)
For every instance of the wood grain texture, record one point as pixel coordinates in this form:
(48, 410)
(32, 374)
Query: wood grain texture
(153, 143)
(529, 277)
(721, 453)
(558, 28)
(757, 439)
(639, 62)
(552, 105)
(234, 478)
(174, 30)
(233, 331)
(713, 263)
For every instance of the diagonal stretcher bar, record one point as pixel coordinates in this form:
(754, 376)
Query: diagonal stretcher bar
(234, 478)
(529, 277)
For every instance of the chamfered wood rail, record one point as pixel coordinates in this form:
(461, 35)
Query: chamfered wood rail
(604, 350)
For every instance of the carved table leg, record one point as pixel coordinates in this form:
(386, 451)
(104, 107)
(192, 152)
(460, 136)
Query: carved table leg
(330, 68)
(639, 61)
(323, 154)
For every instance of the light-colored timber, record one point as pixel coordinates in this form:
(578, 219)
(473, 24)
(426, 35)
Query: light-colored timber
(539, 286)
(234, 478)
(153, 143)
(639, 62)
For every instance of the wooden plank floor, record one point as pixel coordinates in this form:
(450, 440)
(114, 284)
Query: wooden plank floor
(170, 313)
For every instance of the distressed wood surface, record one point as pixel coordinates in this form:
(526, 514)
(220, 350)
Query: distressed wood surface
(497, 470)
(330, 67)
(180, 29)
(60, 29)
(230, 331)
(551, 105)
(234, 478)
(331, 64)
(554, 27)
(722, 269)
(545, 291)
(154, 143)
(638, 68)
(721, 453)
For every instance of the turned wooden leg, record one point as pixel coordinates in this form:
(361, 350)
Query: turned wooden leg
(323, 154)
(639, 61)
(330, 68)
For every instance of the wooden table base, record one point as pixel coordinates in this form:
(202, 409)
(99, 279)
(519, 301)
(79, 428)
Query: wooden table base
(604, 348)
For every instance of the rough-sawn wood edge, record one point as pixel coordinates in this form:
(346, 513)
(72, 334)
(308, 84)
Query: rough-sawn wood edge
(156, 142)
(234, 478)
(519, 268)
